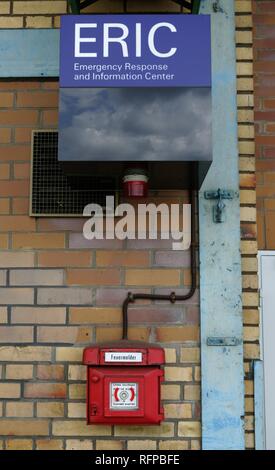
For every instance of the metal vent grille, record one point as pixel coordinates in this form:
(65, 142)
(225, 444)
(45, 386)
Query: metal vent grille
(55, 193)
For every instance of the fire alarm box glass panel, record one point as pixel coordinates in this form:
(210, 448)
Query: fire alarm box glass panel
(123, 384)
(124, 397)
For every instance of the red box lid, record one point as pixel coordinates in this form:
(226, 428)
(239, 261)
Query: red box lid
(124, 353)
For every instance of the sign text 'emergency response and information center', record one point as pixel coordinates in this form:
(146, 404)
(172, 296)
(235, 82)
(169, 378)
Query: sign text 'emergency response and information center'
(135, 51)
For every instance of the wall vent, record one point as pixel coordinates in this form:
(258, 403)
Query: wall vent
(55, 193)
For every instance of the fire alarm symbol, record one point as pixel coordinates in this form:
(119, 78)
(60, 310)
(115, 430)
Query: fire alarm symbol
(123, 396)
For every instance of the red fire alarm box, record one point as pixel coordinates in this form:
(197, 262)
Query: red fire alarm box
(123, 383)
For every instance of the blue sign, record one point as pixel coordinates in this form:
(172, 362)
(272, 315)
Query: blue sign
(135, 51)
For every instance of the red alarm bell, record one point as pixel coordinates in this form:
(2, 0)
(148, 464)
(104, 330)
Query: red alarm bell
(135, 182)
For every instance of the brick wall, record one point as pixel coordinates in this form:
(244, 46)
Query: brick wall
(46, 318)
(245, 100)
(60, 292)
(264, 53)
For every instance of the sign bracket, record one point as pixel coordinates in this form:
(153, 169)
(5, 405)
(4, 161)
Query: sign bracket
(77, 5)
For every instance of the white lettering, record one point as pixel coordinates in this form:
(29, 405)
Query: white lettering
(79, 40)
(151, 39)
(120, 40)
(138, 40)
(108, 38)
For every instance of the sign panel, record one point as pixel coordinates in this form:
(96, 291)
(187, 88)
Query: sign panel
(123, 357)
(123, 396)
(135, 51)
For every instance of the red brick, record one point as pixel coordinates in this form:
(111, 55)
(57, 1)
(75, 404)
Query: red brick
(247, 180)
(64, 258)
(264, 165)
(172, 258)
(77, 240)
(14, 188)
(269, 178)
(261, 232)
(5, 135)
(4, 206)
(15, 152)
(266, 43)
(4, 171)
(148, 244)
(112, 334)
(265, 6)
(270, 230)
(93, 276)
(16, 223)
(270, 127)
(194, 300)
(23, 134)
(269, 204)
(266, 191)
(155, 315)
(18, 117)
(56, 224)
(122, 258)
(265, 55)
(37, 99)
(264, 66)
(158, 277)
(264, 80)
(21, 84)
(108, 296)
(50, 84)
(192, 315)
(50, 372)
(264, 116)
(269, 152)
(45, 390)
(21, 171)
(50, 118)
(269, 104)
(4, 241)
(266, 19)
(265, 91)
(20, 206)
(6, 100)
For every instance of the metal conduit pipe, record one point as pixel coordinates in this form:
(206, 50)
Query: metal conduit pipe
(173, 297)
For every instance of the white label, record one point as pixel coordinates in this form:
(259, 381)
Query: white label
(123, 357)
(123, 396)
